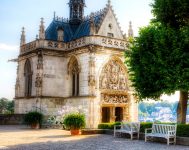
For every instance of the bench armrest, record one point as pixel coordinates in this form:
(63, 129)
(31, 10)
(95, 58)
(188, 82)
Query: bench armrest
(134, 128)
(172, 132)
(116, 126)
(148, 129)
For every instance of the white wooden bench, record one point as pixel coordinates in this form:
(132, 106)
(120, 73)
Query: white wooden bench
(163, 131)
(132, 128)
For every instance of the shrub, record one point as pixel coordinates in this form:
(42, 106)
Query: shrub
(108, 125)
(74, 121)
(145, 125)
(33, 117)
(183, 130)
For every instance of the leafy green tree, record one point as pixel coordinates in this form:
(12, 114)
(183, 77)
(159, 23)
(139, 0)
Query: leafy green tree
(6, 106)
(3, 105)
(158, 59)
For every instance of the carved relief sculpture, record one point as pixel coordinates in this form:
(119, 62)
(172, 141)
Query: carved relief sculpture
(113, 77)
(112, 99)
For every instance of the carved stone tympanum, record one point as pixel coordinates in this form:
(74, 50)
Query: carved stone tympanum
(113, 76)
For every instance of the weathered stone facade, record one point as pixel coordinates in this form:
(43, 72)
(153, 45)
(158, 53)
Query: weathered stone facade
(87, 71)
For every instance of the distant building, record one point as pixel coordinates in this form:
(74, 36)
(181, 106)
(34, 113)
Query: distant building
(77, 62)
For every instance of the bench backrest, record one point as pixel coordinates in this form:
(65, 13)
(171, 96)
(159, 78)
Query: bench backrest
(163, 128)
(128, 125)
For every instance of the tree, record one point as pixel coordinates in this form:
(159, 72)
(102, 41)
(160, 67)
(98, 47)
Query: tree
(158, 60)
(6, 106)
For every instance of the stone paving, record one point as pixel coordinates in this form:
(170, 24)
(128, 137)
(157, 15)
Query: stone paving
(23, 138)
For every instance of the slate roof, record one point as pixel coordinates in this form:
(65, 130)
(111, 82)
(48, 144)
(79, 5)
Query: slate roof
(72, 32)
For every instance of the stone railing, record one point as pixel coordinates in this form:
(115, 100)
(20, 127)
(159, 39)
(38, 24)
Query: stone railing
(95, 40)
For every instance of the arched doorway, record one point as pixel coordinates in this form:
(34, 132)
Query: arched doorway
(114, 91)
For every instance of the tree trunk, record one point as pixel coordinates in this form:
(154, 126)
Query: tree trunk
(182, 107)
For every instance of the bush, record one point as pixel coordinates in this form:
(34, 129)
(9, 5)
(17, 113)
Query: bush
(183, 130)
(33, 117)
(108, 125)
(74, 121)
(144, 125)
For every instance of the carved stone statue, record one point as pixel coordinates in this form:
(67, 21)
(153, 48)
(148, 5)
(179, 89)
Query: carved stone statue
(38, 82)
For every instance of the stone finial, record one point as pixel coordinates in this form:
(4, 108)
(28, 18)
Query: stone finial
(42, 30)
(23, 37)
(109, 2)
(130, 31)
(92, 24)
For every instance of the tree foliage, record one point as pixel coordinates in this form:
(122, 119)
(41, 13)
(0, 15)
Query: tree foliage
(158, 59)
(6, 106)
(173, 13)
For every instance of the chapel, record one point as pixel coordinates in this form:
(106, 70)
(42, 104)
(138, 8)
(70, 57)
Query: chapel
(77, 62)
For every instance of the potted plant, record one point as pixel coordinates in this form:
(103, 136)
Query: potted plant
(74, 122)
(34, 119)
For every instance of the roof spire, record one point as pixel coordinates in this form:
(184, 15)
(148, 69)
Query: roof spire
(130, 31)
(76, 11)
(109, 2)
(42, 30)
(23, 37)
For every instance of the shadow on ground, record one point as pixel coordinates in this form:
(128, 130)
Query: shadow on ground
(98, 142)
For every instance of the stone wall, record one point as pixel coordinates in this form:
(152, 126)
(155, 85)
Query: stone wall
(11, 119)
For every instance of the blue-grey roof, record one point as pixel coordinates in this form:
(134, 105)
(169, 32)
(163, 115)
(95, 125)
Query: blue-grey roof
(71, 32)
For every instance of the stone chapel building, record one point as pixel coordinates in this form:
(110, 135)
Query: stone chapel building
(77, 62)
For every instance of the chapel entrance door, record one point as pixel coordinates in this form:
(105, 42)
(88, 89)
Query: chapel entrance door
(119, 114)
(105, 114)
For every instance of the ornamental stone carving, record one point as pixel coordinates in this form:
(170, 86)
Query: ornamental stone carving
(91, 81)
(40, 61)
(113, 77)
(38, 81)
(118, 99)
(73, 66)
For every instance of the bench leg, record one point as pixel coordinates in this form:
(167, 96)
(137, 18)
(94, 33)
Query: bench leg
(131, 136)
(145, 138)
(168, 141)
(174, 140)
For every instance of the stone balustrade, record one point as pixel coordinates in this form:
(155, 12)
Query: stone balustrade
(95, 40)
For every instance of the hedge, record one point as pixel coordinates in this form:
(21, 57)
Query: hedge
(182, 129)
(108, 125)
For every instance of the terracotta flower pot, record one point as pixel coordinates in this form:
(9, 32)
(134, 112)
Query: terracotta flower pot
(35, 126)
(74, 131)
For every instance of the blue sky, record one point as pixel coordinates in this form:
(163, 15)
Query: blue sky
(14, 14)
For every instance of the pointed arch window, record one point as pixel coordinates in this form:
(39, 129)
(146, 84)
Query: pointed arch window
(74, 72)
(28, 78)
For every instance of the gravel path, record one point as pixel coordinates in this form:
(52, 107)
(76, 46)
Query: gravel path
(22, 138)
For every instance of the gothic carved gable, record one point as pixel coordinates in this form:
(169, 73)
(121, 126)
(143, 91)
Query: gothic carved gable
(113, 77)
(109, 25)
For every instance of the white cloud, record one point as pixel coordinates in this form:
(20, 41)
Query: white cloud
(6, 47)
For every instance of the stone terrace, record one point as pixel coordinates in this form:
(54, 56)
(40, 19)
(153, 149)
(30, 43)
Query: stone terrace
(22, 138)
